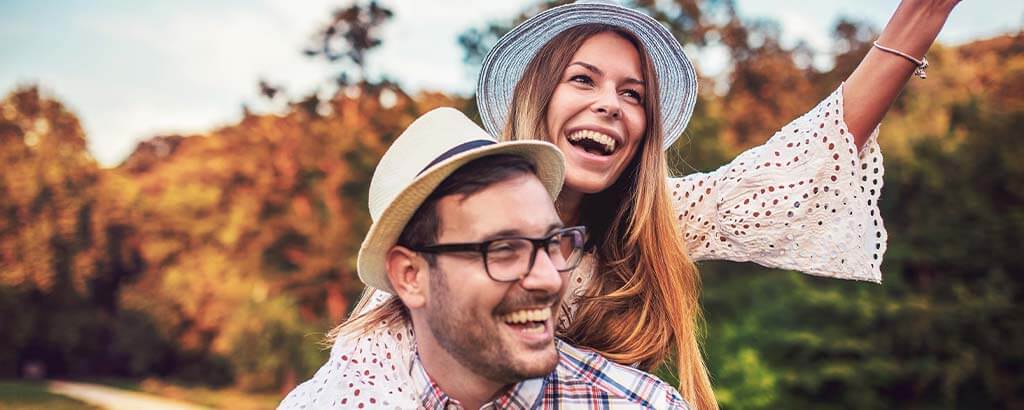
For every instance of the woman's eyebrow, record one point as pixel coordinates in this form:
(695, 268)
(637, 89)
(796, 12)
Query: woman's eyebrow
(590, 67)
(636, 81)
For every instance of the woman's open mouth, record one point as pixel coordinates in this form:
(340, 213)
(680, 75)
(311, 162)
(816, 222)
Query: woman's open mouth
(593, 142)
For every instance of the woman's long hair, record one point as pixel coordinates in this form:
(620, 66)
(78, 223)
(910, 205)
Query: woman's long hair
(641, 303)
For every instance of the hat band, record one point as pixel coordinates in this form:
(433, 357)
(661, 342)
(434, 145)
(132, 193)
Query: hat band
(458, 149)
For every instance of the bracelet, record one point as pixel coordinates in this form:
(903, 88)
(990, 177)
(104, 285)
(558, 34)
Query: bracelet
(921, 64)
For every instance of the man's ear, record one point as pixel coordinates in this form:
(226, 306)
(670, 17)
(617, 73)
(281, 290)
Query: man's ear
(407, 273)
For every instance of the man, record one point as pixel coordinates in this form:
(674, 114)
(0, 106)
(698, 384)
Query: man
(466, 237)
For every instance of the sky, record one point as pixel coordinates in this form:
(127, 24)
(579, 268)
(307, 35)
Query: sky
(133, 69)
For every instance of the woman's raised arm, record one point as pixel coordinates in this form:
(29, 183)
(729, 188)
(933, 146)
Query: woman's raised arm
(878, 79)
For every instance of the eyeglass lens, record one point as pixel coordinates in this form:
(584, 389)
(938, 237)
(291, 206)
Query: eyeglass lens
(510, 259)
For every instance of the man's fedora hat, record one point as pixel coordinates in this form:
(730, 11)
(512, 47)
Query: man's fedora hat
(427, 152)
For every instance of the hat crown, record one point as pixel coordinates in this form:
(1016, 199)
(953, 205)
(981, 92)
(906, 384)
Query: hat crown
(424, 141)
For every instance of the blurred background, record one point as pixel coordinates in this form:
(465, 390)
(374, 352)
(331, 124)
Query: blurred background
(183, 191)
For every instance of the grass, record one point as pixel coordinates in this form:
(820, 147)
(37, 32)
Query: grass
(203, 396)
(24, 395)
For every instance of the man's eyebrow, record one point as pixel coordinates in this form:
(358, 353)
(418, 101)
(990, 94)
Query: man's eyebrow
(555, 226)
(598, 71)
(502, 234)
(516, 232)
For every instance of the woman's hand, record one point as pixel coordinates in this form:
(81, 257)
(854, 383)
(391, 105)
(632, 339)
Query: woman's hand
(878, 79)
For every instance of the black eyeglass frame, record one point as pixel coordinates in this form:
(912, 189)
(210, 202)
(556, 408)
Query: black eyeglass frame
(481, 248)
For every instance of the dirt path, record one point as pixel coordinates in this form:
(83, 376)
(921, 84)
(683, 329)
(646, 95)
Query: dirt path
(117, 399)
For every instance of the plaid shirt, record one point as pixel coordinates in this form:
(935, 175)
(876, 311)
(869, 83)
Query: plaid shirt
(582, 380)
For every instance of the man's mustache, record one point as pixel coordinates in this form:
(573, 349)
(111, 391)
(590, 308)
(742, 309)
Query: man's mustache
(529, 299)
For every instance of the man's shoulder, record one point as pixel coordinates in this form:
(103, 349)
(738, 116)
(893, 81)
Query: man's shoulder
(582, 372)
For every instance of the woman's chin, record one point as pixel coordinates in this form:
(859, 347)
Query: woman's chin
(587, 184)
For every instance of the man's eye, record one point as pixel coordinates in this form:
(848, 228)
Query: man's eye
(506, 246)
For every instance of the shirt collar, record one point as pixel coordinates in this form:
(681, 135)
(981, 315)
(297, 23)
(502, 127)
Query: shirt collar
(522, 395)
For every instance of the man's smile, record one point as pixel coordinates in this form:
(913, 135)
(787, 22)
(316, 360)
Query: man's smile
(532, 326)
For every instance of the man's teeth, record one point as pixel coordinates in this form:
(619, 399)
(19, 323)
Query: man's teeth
(606, 141)
(524, 316)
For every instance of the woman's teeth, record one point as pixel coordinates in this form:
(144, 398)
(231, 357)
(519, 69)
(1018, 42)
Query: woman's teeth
(525, 316)
(588, 138)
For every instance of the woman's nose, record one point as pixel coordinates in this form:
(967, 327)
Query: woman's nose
(608, 103)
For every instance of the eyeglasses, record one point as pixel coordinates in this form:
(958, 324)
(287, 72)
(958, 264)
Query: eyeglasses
(511, 258)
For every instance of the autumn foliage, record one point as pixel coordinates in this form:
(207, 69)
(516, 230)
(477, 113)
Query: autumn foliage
(223, 258)
(226, 252)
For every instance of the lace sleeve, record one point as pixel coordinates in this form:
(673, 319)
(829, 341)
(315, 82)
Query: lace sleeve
(806, 200)
(367, 371)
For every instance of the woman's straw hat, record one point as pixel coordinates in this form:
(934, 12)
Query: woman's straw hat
(504, 65)
(427, 152)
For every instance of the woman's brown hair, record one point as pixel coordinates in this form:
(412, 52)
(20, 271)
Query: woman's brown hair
(641, 303)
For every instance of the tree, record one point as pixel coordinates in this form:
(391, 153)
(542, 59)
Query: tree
(65, 253)
(351, 34)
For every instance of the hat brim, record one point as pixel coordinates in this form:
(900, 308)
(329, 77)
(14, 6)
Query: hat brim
(384, 232)
(505, 63)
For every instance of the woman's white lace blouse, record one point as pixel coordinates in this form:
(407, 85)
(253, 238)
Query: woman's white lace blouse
(806, 200)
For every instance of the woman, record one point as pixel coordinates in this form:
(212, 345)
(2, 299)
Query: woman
(611, 88)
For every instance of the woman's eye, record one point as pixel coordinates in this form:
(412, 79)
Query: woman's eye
(582, 79)
(633, 95)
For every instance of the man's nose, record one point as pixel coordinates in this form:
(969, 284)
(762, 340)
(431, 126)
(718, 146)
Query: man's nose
(543, 276)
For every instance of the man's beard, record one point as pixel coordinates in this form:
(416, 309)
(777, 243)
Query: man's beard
(474, 342)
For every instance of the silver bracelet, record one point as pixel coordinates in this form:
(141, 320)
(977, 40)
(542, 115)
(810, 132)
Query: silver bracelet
(921, 64)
